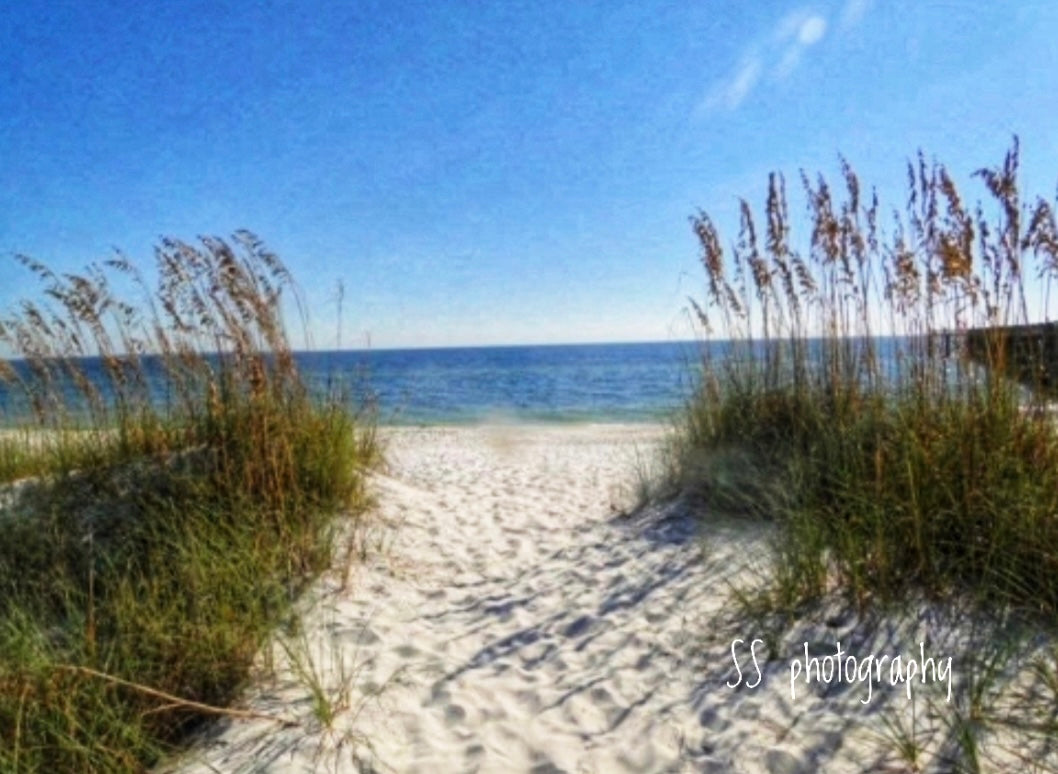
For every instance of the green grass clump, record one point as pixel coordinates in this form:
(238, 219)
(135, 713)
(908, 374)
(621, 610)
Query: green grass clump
(892, 464)
(180, 483)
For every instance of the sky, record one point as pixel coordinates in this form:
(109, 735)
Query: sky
(488, 172)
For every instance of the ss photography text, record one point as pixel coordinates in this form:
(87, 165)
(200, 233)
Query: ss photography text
(843, 667)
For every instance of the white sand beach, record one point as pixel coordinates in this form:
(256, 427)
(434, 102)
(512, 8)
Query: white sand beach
(509, 618)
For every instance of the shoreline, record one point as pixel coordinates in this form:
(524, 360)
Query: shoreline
(513, 420)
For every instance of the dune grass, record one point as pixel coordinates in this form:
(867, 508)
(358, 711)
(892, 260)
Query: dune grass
(892, 464)
(171, 506)
(838, 402)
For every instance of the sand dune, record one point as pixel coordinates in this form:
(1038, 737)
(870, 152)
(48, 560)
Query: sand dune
(508, 618)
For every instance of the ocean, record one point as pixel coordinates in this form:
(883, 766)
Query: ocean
(643, 382)
(554, 383)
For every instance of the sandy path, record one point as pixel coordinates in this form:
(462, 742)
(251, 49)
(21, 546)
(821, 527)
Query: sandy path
(514, 624)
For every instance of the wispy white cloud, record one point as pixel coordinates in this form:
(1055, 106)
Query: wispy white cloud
(812, 30)
(794, 33)
(730, 92)
(797, 33)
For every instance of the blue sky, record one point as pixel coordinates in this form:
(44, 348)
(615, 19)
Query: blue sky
(488, 172)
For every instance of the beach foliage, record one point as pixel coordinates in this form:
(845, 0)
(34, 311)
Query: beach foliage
(892, 462)
(167, 486)
(878, 386)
